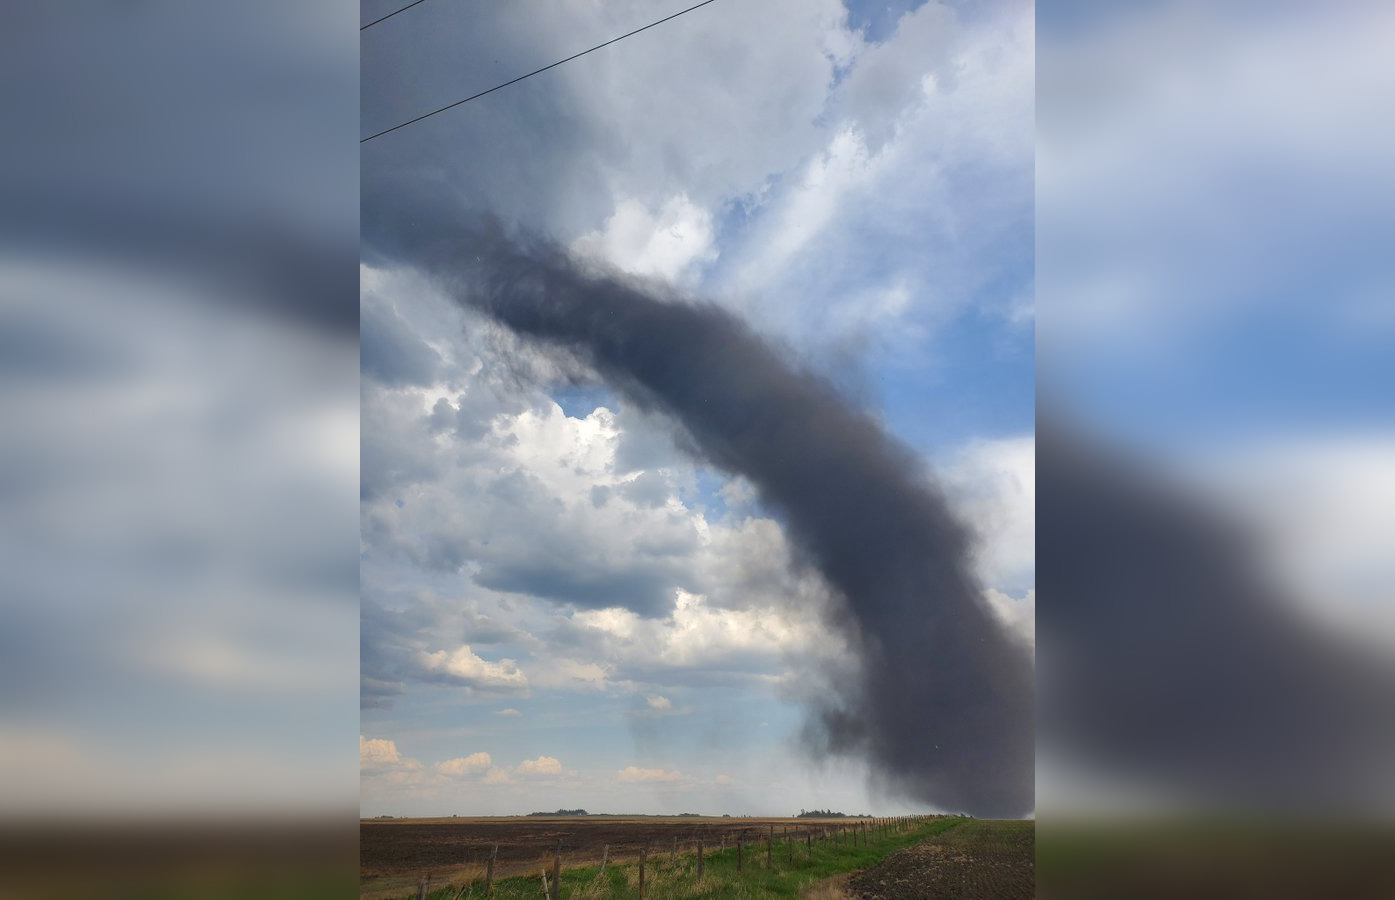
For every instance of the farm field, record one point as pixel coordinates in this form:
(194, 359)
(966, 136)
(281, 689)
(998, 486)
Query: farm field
(395, 855)
(991, 860)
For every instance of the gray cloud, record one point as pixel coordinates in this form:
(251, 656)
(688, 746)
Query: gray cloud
(553, 151)
(389, 352)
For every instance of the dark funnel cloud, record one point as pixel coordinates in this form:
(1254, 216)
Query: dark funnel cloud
(1170, 654)
(943, 706)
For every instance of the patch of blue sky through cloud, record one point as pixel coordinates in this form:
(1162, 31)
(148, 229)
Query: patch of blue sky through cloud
(877, 19)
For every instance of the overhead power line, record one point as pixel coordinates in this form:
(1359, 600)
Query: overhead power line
(532, 73)
(390, 15)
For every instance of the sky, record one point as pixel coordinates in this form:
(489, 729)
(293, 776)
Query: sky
(560, 608)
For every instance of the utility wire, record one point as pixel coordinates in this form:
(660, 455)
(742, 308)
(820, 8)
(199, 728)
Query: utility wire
(531, 74)
(390, 15)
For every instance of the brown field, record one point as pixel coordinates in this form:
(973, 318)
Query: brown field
(395, 853)
(990, 860)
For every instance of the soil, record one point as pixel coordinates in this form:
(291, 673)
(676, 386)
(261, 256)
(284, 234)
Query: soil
(985, 860)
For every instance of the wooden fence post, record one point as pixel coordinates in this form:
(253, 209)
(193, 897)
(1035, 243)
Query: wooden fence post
(421, 889)
(605, 857)
(789, 845)
(740, 850)
(769, 846)
(809, 840)
(699, 859)
(643, 853)
(673, 854)
(557, 872)
(547, 891)
(489, 872)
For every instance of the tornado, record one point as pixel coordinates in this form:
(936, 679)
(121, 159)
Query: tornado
(942, 703)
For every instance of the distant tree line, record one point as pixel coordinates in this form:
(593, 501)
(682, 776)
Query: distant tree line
(827, 814)
(562, 812)
(582, 812)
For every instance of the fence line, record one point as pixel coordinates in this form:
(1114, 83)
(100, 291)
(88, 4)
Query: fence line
(834, 837)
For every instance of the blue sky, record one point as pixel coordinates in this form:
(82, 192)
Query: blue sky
(560, 608)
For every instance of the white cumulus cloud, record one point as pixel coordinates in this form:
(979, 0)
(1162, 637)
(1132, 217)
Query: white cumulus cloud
(379, 757)
(376, 753)
(464, 766)
(543, 765)
(634, 773)
(665, 243)
(466, 667)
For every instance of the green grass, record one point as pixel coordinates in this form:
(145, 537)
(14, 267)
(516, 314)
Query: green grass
(678, 879)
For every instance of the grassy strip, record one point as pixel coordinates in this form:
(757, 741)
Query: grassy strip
(664, 879)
